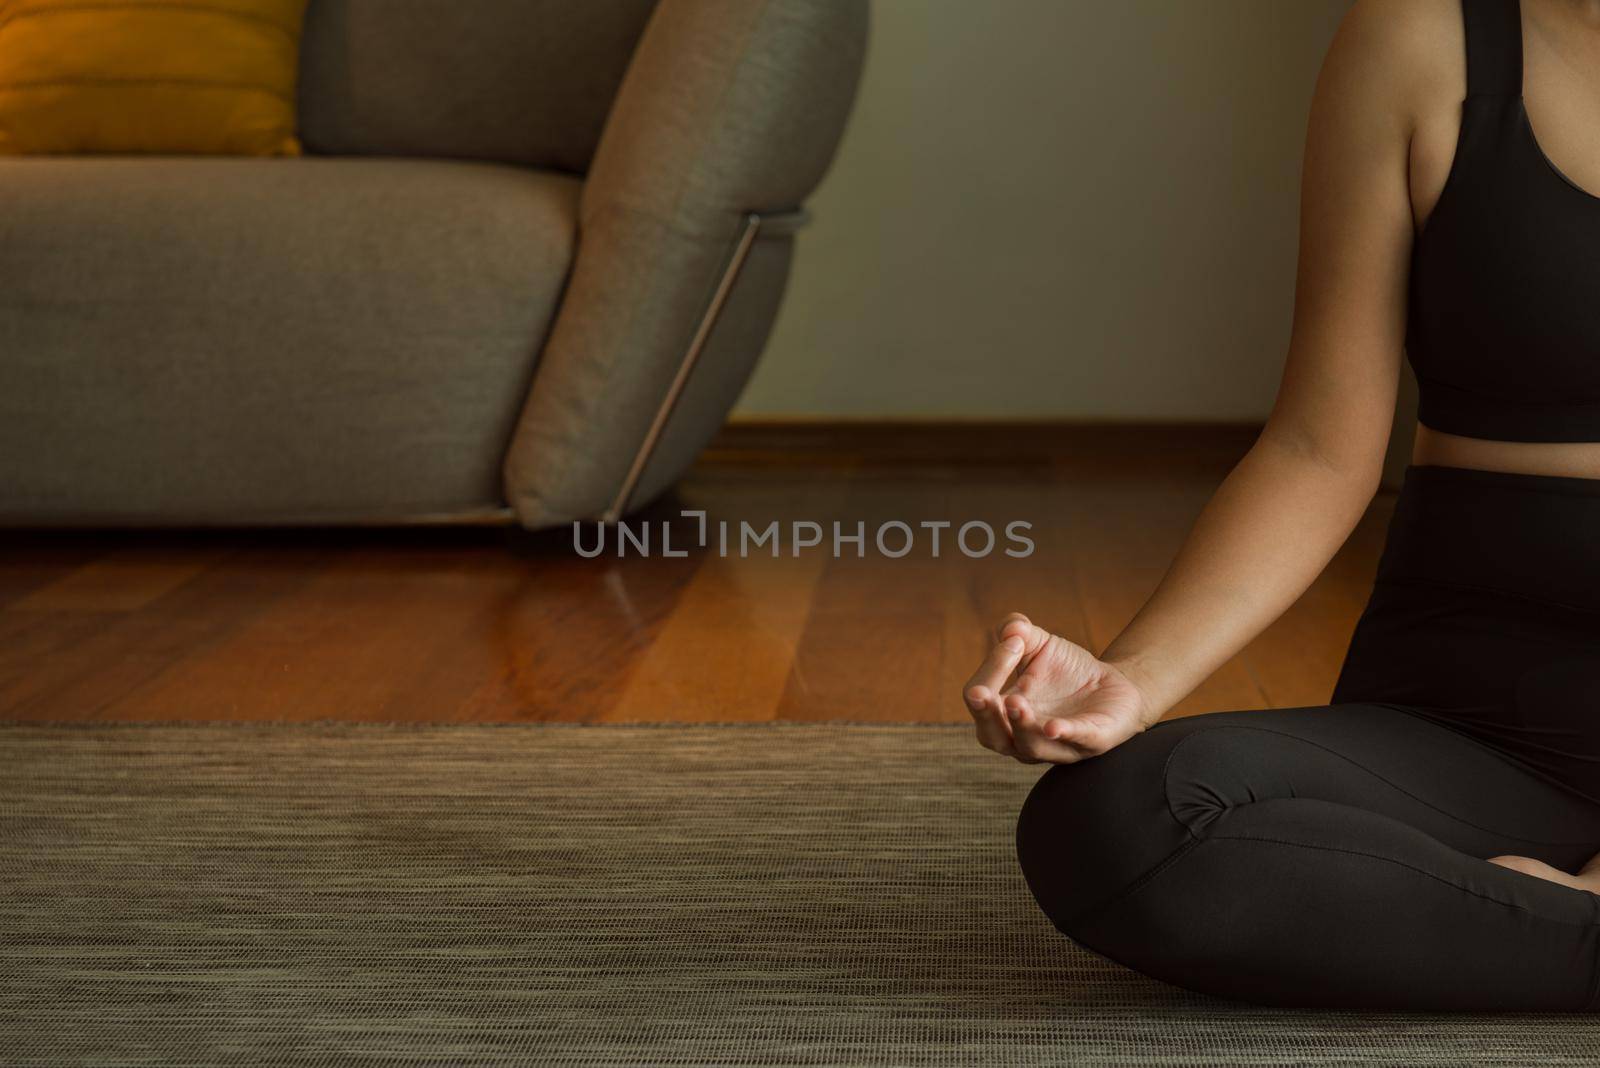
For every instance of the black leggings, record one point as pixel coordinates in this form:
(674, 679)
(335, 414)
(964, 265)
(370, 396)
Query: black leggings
(1336, 856)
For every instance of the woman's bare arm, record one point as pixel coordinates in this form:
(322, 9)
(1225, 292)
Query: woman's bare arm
(1283, 512)
(1289, 504)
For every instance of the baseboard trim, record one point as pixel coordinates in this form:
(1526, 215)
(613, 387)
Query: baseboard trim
(975, 440)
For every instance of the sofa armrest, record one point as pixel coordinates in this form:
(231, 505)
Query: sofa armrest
(730, 107)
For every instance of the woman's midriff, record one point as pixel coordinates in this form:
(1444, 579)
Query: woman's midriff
(1575, 459)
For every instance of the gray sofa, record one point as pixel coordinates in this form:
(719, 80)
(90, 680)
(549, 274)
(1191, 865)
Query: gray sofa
(527, 263)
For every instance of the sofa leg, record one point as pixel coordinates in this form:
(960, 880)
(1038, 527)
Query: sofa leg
(787, 222)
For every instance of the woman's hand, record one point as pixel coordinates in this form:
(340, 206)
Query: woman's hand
(1043, 699)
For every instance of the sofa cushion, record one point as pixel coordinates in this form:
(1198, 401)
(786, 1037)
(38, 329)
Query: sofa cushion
(514, 81)
(172, 76)
(729, 107)
(251, 340)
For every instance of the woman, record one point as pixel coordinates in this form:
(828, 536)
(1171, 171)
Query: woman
(1427, 840)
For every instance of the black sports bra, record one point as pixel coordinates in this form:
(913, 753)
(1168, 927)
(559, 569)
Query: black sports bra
(1503, 328)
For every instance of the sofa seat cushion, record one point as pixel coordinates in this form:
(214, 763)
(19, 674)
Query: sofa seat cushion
(260, 340)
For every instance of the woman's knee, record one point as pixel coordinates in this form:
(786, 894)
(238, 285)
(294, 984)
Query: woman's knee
(1089, 831)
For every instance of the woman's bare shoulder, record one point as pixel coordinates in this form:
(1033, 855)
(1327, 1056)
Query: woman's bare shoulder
(1412, 52)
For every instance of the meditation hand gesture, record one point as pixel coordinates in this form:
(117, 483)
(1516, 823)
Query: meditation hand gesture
(1040, 698)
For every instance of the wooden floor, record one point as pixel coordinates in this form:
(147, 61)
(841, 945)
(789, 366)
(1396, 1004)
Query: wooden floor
(489, 624)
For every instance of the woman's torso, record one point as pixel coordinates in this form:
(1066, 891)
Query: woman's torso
(1521, 199)
(1568, 459)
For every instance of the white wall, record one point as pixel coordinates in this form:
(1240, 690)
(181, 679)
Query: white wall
(1080, 209)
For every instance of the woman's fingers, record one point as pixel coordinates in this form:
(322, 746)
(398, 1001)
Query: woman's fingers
(1040, 739)
(1083, 735)
(1016, 640)
(998, 706)
(995, 712)
(997, 666)
(989, 717)
(1017, 625)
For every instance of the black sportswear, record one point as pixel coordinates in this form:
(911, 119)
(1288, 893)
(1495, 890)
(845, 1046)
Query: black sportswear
(1502, 329)
(1337, 856)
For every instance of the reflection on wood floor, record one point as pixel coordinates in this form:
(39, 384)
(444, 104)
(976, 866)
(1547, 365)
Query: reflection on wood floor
(484, 623)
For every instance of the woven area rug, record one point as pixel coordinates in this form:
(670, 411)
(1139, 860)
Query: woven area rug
(765, 895)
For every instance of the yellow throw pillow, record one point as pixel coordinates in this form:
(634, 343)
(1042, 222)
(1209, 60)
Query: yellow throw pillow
(205, 77)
